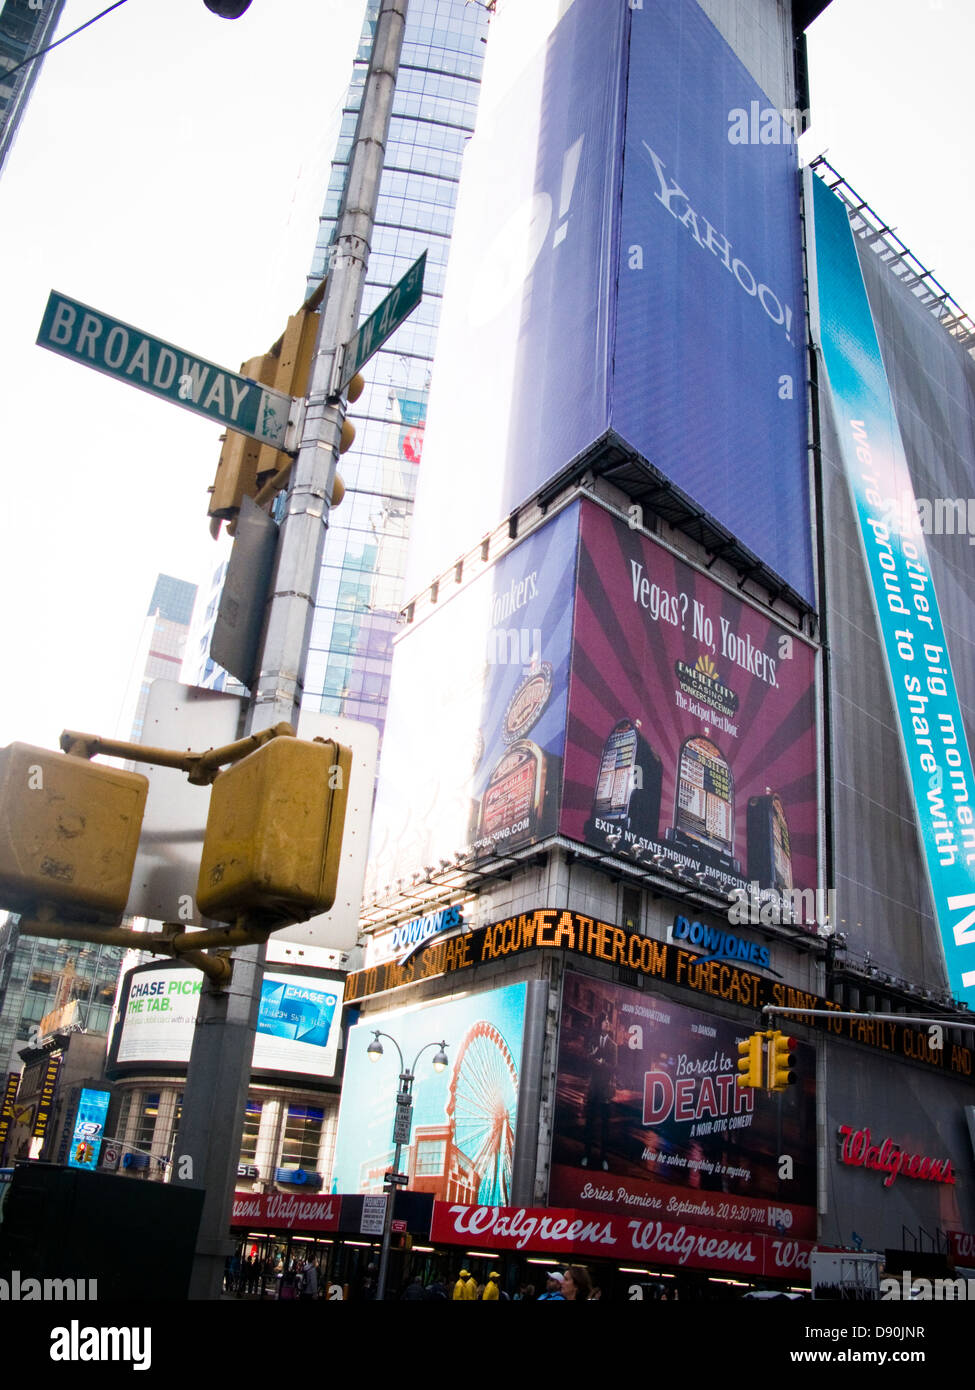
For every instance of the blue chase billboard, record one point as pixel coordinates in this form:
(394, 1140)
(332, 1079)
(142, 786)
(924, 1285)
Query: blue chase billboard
(626, 269)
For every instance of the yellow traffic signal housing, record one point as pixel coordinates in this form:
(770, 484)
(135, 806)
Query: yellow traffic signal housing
(246, 466)
(782, 1062)
(274, 833)
(69, 831)
(750, 1057)
(236, 476)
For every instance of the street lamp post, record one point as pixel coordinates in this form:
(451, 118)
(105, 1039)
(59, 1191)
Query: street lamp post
(401, 1135)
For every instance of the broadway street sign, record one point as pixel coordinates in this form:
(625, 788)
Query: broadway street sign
(74, 330)
(383, 321)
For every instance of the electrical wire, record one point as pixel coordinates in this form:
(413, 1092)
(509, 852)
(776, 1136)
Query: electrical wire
(41, 51)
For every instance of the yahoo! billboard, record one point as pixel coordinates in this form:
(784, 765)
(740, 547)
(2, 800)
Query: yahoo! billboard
(650, 1119)
(622, 273)
(691, 736)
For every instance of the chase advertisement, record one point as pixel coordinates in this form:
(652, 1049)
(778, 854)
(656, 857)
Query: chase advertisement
(625, 266)
(691, 737)
(650, 1120)
(461, 1140)
(481, 686)
(297, 1029)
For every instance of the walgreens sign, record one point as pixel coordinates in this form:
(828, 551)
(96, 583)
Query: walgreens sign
(280, 1211)
(566, 1233)
(857, 1151)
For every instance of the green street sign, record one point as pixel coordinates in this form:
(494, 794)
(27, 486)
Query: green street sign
(85, 335)
(383, 321)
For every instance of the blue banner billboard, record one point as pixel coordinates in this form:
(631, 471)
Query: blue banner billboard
(625, 269)
(89, 1129)
(912, 634)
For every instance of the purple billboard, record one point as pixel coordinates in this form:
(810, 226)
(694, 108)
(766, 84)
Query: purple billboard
(624, 272)
(691, 733)
(593, 684)
(650, 1120)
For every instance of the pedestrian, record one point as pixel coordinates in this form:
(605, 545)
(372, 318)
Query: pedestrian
(368, 1284)
(435, 1291)
(309, 1280)
(492, 1293)
(576, 1284)
(465, 1290)
(413, 1292)
(553, 1289)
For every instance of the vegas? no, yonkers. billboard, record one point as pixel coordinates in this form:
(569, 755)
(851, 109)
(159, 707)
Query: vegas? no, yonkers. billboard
(621, 266)
(591, 683)
(690, 745)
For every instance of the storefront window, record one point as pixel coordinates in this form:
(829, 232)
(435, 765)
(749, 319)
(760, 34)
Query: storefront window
(302, 1137)
(146, 1124)
(252, 1123)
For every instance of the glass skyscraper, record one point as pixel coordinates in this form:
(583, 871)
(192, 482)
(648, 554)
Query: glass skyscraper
(25, 28)
(360, 592)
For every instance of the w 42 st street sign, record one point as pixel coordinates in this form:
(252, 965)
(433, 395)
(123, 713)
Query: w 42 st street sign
(383, 322)
(85, 335)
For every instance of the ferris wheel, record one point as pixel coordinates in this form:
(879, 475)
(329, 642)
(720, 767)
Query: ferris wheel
(481, 1108)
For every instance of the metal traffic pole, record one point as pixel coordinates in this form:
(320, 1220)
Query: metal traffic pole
(207, 1147)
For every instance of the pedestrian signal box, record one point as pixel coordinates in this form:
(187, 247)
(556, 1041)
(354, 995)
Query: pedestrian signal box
(69, 831)
(274, 833)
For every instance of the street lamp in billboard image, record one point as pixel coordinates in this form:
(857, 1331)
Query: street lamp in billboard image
(401, 1131)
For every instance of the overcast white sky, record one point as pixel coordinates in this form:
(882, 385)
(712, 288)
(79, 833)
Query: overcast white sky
(170, 171)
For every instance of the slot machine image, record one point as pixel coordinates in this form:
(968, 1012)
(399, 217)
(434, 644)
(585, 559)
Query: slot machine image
(628, 784)
(769, 843)
(704, 816)
(515, 797)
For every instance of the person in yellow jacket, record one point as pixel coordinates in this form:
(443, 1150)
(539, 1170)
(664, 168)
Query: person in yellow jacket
(465, 1289)
(491, 1291)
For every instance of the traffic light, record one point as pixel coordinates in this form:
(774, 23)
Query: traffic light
(69, 831)
(236, 475)
(227, 9)
(274, 833)
(247, 468)
(750, 1057)
(782, 1062)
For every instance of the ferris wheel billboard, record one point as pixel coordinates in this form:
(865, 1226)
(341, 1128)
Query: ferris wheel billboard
(464, 1118)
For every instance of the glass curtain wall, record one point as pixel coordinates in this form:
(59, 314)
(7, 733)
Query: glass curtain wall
(360, 592)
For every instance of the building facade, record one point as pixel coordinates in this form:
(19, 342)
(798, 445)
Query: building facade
(25, 29)
(643, 779)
